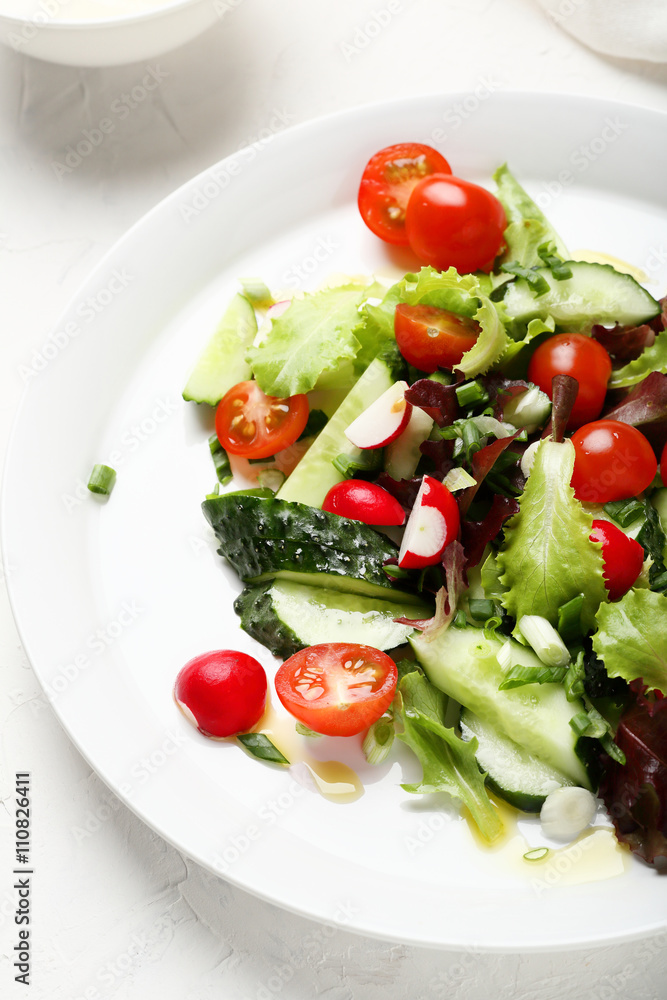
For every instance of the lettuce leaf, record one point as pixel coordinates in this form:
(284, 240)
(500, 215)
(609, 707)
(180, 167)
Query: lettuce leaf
(527, 226)
(313, 336)
(449, 764)
(547, 557)
(632, 638)
(490, 345)
(652, 359)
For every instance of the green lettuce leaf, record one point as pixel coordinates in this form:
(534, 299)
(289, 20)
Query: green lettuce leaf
(547, 557)
(491, 344)
(652, 359)
(448, 763)
(313, 336)
(632, 638)
(527, 226)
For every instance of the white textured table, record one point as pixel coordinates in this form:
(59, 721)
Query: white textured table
(116, 911)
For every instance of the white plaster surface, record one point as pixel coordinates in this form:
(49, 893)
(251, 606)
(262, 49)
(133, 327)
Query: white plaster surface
(116, 911)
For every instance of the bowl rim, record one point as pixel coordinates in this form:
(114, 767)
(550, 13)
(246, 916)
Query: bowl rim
(93, 23)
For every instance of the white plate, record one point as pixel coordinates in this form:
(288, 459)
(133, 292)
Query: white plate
(111, 599)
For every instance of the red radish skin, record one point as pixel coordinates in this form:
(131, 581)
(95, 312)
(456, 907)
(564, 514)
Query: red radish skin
(222, 693)
(362, 501)
(432, 525)
(383, 421)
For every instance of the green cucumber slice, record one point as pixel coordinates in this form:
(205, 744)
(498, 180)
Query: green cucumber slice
(222, 363)
(315, 475)
(286, 617)
(463, 663)
(595, 292)
(516, 775)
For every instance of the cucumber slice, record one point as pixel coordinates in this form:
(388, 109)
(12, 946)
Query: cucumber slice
(264, 538)
(463, 663)
(286, 617)
(513, 773)
(595, 292)
(402, 455)
(222, 363)
(315, 475)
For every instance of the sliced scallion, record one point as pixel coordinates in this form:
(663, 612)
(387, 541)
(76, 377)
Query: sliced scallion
(481, 609)
(560, 270)
(223, 469)
(256, 292)
(538, 284)
(574, 678)
(260, 746)
(369, 461)
(569, 619)
(378, 740)
(504, 655)
(624, 512)
(471, 394)
(545, 640)
(102, 479)
(518, 676)
(460, 620)
(305, 731)
(537, 854)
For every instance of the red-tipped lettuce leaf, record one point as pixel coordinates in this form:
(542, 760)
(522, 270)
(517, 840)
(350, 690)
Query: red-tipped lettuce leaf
(477, 534)
(645, 407)
(624, 343)
(439, 401)
(502, 390)
(635, 793)
(481, 464)
(447, 598)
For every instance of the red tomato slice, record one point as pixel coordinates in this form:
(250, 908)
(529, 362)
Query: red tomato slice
(623, 558)
(387, 183)
(254, 425)
(454, 223)
(362, 501)
(584, 359)
(430, 338)
(613, 461)
(337, 688)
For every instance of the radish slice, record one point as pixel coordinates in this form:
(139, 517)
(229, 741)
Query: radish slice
(432, 525)
(403, 454)
(383, 420)
(278, 308)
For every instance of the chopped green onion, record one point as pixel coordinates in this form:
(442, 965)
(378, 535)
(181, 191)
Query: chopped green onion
(215, 492)
(569, 619)
(481, 609)
(518, 676)
(223, 469)
(102, 479)
(537, 854)
(260, 746)
(538, 284)
(317, 419)
(580, 723)
(470, 437)
(612, 748)
(560, 270)
(396, 572)
(574, 678)
(305, 731)
(378, 740)
(504, 655)
(458, 479)
(545, 640)
(659, 582)
(370, 460)
(624, 512)
(256, 292)
(441, 378)
(460, 620)
(471, 393)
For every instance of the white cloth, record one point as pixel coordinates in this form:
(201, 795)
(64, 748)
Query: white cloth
(633, 29)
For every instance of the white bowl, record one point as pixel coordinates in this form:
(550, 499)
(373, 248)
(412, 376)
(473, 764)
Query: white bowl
(79, 33)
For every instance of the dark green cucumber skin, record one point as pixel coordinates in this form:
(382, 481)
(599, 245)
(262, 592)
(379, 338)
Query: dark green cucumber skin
(260, 537)
(255, 609)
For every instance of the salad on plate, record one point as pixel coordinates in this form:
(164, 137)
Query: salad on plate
(455, 535)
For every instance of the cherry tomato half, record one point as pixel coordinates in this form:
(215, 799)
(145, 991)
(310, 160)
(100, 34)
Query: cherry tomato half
(222, 693)
(454, 223)
(362, 501)
(613, 461)
(430, 338)
(584, 359)
(337, 688)
(387, 183)
(623, 558)
(254, 425)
